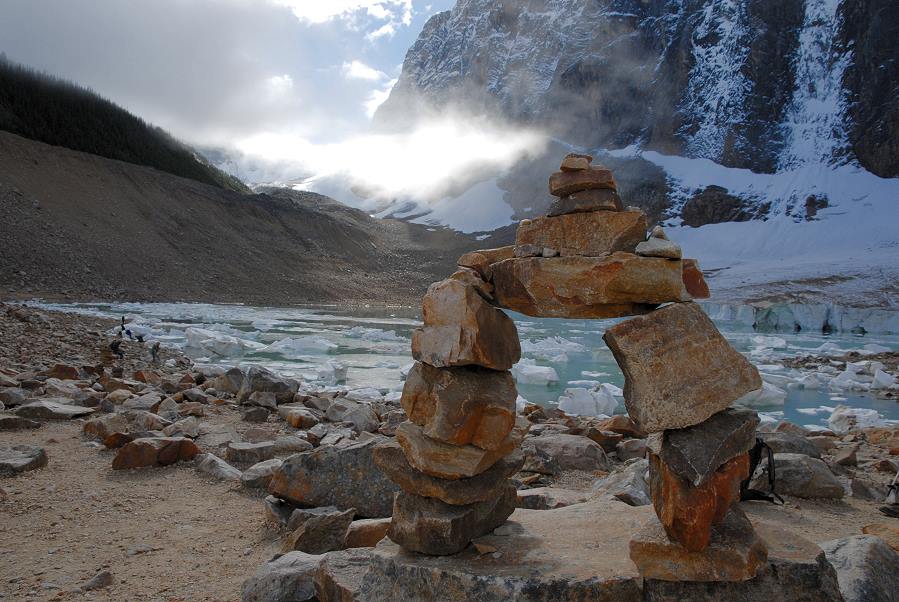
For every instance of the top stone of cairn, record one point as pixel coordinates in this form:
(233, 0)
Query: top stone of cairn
(576, 174)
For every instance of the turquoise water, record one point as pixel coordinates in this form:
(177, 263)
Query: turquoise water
(373, 345)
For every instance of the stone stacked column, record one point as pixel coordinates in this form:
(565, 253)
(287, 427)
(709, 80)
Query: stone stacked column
(455, 454)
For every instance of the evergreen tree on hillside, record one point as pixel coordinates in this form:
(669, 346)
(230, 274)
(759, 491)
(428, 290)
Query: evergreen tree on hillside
(54, 111)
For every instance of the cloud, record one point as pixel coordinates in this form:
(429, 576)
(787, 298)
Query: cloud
(385, 30)
(319, 11)
(377, 97)
(358, 70)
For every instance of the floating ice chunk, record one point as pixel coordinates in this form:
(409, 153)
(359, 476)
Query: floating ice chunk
(768, 395)
(882, 380)
(586, 384)
(520, 402)
(389, 365)
(778, 380)
(297, 346)
(829, 347)
(844, 419)
(587, 402)
(528, 372)
(812, 382)
(374, 334)
(332, 373)
(849, 379)
(875, 348)
(808, 411)
(612, 390)
(219, 343)
(769, 342)
(552, 349)
(592, 374)
(766, 418)
(404, 371)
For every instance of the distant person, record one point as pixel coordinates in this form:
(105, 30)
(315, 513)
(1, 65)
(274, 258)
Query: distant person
(123, 323)
(140, 338)
(128, 332)
(154, 352)
(116, 347)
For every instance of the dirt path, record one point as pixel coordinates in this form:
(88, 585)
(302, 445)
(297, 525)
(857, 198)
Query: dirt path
(64, 523)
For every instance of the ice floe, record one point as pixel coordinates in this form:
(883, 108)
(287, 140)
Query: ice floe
(528, 372)
(587, 402)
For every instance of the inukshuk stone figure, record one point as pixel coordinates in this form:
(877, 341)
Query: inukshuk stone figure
(587, 258)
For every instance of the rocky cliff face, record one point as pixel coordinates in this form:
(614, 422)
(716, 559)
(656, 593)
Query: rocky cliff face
(761, 84)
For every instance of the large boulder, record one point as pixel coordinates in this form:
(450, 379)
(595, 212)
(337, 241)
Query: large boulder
(466, 405)
(229, 382)
(429, 526)
(479, 488)
(789, 443)
(866, 566)
(52, 409)
(696, 452)
(461, 328)
(285, 577)
(688, 512)
(735, 553)
(345, 476)
(260, 380)
(801, 476)
(446, 461)
(154, 451)
(570, 452)
(21, 458)
(588, 234)
(678, 369)
(621, 284)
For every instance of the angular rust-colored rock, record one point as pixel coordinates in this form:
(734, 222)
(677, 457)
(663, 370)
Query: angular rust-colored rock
(586, 234)
(599, 199)
(366, 532)
(428, 526)
(678, 369)
(688, 513)
(154, 451)
(473, 278)
(735, 553)
(487, 485)
(563, 183)
(481, 260)
(462, 329)
(446, 461)
(622, 284)
(622, 424)
(62, 372)
(694, 281)
(467, 405)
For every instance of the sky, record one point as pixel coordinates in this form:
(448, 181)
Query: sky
(216, 72)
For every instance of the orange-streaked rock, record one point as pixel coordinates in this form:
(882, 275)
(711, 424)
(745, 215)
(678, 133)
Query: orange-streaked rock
(154, 451)
(589, 234)
(563, 183)
(621, 284)
(466, 405)
(735, 553)
(575, 163)
(694, 281)
(482, 259)
(461, 328)
(688, 513)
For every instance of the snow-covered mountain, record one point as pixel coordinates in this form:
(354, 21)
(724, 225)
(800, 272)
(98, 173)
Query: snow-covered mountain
(759, 84)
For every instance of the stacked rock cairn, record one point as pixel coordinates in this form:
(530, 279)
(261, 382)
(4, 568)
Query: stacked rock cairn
(589, 257)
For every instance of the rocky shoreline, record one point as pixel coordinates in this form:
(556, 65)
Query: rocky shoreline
(249, 435)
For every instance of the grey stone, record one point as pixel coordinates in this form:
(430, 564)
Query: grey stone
(52, 410)
(196, 395)
(867, 568)
(229, 382)
(147, 402)
(263, 399)
(340, 574)
(17, 423)
(801, 476)
(429, 526)
(213, 466)
(344, 476)
(550, 498)
(322, 532)
(696, 452)
(259, 475)
(186, 427)
(259, 379)
(250, 453)
(13, 396)
(21, 458)
(571, 452)
(626, 484)
(285, 446)
(659, 247)
(98, 581)
(255, 414)
(630, 449)
(288, 577)
(789, 443)
(298, 516)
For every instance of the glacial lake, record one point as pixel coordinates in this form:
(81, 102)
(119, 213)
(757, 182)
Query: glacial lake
(372, 344)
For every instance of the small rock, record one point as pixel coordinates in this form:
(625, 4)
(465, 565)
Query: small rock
(215, 467)
(321, 532)
(21, 458)
(98, 581)
(259, 475)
